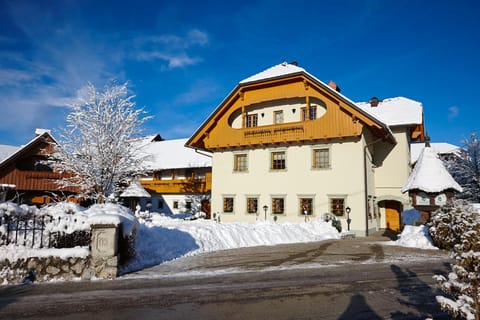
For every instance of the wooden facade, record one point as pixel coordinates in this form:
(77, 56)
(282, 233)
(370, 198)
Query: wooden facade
(185, 185)
(35, 181)
(339, 119)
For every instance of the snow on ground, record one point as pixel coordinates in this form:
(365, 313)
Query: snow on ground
(414, 237)
(164, 238)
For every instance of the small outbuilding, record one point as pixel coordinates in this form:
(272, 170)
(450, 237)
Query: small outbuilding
(430, 185)
(133, 193)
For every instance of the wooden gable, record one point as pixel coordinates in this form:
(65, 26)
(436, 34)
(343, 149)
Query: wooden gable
(25, 169)
(228, 128)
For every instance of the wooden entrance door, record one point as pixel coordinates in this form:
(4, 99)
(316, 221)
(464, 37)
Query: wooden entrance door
(392, 215)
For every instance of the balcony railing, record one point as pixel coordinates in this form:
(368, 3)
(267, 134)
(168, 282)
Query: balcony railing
(189, 185)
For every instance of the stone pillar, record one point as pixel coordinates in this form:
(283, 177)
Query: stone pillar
(104, 264)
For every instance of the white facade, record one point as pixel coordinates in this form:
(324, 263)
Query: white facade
(344, 179)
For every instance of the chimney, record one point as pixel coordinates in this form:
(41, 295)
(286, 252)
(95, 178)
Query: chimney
(334, 86)
(294, 63)
(374, 101)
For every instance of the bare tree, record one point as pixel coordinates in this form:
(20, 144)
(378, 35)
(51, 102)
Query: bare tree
(96, 148)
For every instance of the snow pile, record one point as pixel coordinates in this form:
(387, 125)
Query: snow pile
(66, 218)
(14, 253)
(163, 238)
(110, 213)
(414, 237)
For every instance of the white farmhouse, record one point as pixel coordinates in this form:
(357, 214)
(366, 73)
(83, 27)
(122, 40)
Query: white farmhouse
(288, 147)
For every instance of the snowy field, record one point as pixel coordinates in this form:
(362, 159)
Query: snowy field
(162, 238)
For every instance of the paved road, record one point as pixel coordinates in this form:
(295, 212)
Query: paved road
(345, 279)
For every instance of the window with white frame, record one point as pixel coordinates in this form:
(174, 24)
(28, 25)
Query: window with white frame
(251, 120)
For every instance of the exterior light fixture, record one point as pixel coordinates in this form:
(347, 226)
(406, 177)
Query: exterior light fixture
(347, 210)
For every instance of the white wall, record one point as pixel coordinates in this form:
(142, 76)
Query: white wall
(345, 178)
(164, 203)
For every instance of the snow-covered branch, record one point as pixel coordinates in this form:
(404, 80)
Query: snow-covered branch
(96, 148)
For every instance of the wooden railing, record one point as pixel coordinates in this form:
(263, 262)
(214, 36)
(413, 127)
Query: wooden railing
(189, 185)
(332, 126)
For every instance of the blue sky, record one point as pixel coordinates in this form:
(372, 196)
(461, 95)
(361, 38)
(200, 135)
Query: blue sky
(181, 58)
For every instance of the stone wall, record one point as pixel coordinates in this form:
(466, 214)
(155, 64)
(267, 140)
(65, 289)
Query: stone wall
(101, 264)
(44, 269)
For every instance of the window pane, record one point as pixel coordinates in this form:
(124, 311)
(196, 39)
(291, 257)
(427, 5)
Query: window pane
(337, 206)
(252, 120)
(228, 204)
(278, 161)
(306, 206)
(240, 164)
(278, 117)
(321, 158)
(252, 205)
(277, 205)
(313, 113)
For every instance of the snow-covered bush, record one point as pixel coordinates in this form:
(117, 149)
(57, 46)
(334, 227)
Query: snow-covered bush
(450, 222)
(463, 283)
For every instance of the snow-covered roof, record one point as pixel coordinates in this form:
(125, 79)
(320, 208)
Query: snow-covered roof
(285, 68)
(430, 175)
(439, 147)
(135, 190)
(279, 70)
(19, 150)
(6, 151)
(396, 111)
(172, 154)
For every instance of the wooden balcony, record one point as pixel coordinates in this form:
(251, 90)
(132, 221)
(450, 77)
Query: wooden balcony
(293, 132)
(189, 185)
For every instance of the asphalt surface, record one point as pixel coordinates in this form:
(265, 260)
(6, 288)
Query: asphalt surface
(342, 279)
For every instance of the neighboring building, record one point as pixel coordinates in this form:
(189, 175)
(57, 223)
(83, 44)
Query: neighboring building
(430, 185)
(177, 177)
(286, 142)
(445, 151)
(30, 179)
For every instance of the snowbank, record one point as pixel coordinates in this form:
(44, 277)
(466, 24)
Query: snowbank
(414, 237)
(163, 238)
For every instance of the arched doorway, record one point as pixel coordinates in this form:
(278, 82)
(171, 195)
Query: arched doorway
(392, 214)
